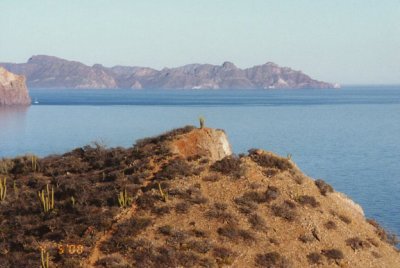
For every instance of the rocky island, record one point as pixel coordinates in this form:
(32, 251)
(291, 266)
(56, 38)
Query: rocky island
(52, 72)
(13, 90)
(181, 199)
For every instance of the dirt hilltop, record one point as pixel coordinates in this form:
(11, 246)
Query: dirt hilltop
(181, 199)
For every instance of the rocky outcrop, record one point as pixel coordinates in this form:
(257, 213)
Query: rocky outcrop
(13, 90)
(51, 72)
(210, 143)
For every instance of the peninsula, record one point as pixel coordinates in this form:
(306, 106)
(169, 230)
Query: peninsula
(52, 72)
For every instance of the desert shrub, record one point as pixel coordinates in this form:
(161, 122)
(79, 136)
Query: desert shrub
(220, 206)
(201, 246)
(307, 238)
(122, 239)
(385, 236)
(70, 263)
(188, 259)
(170, 135)
(160, 211)
(308, 200)
(334, 254)
(323, 187)
(199, 233)
(177, 167)
(299, 179)
(182, 207)
(165, 229)
(109, 261)
(344, 219)
(268, 160)
(259, 197)
(256, 221)
(224, 256)
(330, 225)
(284, 211)
(20, 165)
(376, 255)
(272, 260)
(198, 199)
(245, 206)
(218, 211)
(253, 196)
(177, 238)
(315, 258)
(356, 243)
(270, 172)
(271, 194)
(193, 157)
(289, 204)
(146, 201)
(234, 233)
(229, 165)
(373, 242)
(6, 165)
(273, 241)
(181, 193)
(211, 178)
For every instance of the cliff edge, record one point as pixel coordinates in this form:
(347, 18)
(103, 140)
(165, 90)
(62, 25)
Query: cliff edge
(13, 90)
(181, 199)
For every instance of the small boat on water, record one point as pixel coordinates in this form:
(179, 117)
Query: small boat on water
(35, 101)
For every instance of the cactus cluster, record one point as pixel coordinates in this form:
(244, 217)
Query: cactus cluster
(202, 122)
(34, 163)
(47, 199)
(3, 189)
(124, 200)
(164, 196)
(44, 257)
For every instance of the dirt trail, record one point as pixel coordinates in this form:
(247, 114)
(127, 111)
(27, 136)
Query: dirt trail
(96, 253)
(126, 214)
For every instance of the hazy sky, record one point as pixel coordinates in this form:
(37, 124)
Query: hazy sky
(345, 41)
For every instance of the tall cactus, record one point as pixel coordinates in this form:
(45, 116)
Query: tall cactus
(202, 122)
(47, 199)
(3, 189)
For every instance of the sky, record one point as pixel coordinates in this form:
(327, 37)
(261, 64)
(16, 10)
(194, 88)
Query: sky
(343, 41)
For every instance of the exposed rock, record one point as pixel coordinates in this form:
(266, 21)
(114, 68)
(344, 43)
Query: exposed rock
(51, 72)
(207, 142)
(13, 90)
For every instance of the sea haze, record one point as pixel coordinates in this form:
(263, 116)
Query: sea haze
(349, 137)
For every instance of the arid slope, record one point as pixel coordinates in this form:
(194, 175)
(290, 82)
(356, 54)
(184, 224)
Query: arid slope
(190, 203)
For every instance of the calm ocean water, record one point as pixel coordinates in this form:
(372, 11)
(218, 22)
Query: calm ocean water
(349, 137)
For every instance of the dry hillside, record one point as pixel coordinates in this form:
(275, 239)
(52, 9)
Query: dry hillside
(180, 200)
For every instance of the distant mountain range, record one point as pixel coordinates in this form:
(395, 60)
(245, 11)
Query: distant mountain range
(52, 72)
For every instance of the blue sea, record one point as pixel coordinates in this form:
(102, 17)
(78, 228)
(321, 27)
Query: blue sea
(349, 137)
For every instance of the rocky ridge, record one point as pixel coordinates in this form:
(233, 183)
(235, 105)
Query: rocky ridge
(52, 72)
(189, 203)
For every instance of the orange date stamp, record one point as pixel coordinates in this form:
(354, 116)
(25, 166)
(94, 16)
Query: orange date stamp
(70, 249)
